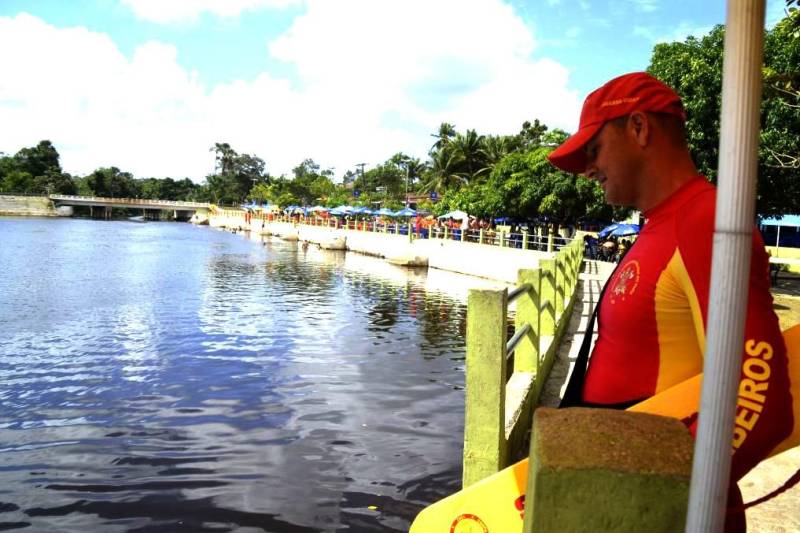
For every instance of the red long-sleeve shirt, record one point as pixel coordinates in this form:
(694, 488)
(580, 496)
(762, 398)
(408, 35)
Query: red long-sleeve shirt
(652, 323)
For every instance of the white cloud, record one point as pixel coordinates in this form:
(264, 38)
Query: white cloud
(600, 22)
(169, 11)
(584, 4)
(368, 87)
(646, 32)
(678, 33)
(645, 6)
(99, 108)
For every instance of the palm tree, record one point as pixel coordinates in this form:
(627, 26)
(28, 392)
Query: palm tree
(224, 157)
(443, 172)
(414, 170)
(469, 149)
(495, 148)
(446, 132)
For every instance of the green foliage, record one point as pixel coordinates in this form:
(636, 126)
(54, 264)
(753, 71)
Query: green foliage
(235, 175)
(35, 170)
(111, 182)
(524, 186)
(694, 69)
(307, 187)
(169, 189)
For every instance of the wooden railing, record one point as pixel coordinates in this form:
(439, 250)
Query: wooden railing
(500, 396)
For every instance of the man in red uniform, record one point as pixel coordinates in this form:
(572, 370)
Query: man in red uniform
(653, 313)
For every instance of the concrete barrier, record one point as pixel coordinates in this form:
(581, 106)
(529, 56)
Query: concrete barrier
(490, 262)
(29, 206)
(396, 249)
(607, 470)
(480, 260)
(327, 238)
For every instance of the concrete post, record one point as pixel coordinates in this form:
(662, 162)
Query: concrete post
(484, 418)
(524, 239)
(607, 470)
(561, 287)
(526, 355)
(550, 243)
(547, 320)
(480, 236)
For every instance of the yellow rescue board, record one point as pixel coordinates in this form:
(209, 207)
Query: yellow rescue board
(681, 401)
(496, 503)
(492, 504)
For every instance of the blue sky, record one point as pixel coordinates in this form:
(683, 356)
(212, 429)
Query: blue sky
(151, 85)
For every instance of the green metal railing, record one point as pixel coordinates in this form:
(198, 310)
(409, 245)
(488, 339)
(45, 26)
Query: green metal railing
(499, 404)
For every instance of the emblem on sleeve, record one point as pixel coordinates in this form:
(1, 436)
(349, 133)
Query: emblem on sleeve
(625, 282)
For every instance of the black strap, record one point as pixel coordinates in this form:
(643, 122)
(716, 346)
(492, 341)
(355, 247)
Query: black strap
(573, 396)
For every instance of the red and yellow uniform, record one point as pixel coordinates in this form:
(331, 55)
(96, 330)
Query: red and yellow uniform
(652, 323)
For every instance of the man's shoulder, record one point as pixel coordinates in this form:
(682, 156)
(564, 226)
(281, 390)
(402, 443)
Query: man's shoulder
(696, 209)
(700, 194)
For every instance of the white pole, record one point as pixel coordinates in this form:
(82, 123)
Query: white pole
(730, 265)
(778, 242)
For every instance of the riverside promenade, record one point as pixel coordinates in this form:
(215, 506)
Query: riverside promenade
(779, 515)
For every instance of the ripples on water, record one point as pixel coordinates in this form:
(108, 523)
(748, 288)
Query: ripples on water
(163, 377)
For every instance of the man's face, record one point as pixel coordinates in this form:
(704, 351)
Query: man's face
(612, 161)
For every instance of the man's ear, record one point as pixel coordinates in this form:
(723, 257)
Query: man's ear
(639, 127)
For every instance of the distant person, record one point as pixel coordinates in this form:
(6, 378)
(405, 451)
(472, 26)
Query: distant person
(632, 141)
(589, 247)
(608, 249)
(622, 247)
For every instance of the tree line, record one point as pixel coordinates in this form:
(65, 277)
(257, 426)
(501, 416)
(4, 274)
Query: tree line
(486, 175)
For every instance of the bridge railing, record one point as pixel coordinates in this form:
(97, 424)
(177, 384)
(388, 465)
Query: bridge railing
(500, 397)
(126, 201)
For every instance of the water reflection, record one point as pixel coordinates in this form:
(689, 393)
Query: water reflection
(162, 377)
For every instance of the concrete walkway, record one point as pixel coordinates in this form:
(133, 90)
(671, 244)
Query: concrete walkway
(781, 514)
(591, 281)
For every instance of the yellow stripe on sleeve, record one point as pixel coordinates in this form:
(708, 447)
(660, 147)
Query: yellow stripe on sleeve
(681, 334)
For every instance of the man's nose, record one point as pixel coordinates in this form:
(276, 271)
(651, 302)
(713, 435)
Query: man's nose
(591, 171)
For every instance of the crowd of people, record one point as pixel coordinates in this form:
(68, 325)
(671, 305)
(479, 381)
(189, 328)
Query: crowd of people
(611, 249)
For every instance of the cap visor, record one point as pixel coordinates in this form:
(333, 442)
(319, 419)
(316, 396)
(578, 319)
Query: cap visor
(570, 156)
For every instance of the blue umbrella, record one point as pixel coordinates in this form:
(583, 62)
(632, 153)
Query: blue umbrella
(605, 232)
(405, 212)
(625, 230)
(361, 211)
(384, 211)
(341, 210)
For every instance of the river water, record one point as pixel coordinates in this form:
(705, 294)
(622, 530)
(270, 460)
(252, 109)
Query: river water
(165, 377)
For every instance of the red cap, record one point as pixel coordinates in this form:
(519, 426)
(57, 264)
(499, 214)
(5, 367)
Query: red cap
(637, 91)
